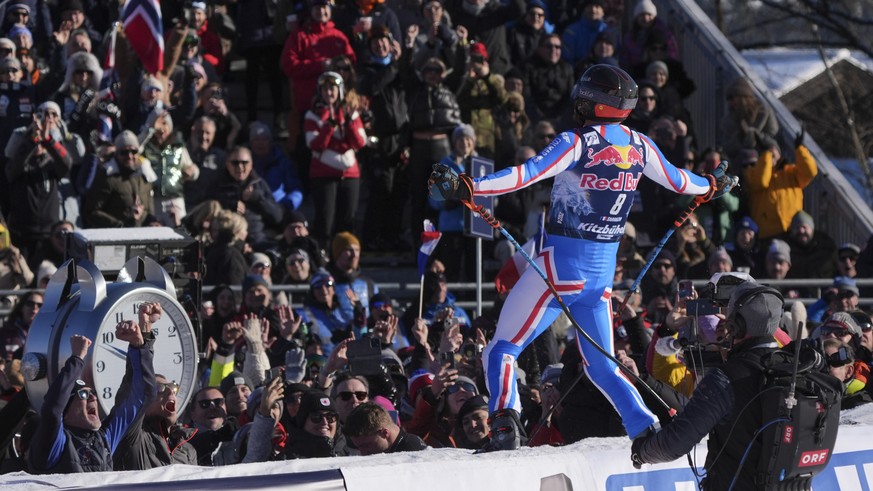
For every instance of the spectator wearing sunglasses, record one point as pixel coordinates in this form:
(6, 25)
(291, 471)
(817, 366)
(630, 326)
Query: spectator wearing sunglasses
(121, 194)
(436, 413)
(318, 435)
(14, 332)
(349, 392)
(549, 78)
(842, 296)
(214, 427)
(840, 359)
(71, 437)
(158, 440)
(321, 310)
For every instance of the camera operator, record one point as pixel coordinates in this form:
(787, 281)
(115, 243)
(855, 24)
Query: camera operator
(726, 403)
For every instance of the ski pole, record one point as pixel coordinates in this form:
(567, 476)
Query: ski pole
(657, 250)
(495, 223)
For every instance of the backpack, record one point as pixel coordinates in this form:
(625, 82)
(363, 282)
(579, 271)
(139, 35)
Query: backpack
(797, 440)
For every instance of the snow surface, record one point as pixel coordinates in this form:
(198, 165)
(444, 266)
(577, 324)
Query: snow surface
(784, 69)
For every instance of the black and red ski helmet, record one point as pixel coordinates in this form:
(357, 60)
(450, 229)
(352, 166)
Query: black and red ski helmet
(604, 94)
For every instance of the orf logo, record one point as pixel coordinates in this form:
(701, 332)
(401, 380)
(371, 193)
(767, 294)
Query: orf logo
(788, 434)
(813, 458)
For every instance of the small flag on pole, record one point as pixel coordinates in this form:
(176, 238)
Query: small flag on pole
(430, 237)
(142, 25)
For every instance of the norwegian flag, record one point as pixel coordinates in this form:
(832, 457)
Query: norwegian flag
(144, 31)
(429, 240)
(511, 271)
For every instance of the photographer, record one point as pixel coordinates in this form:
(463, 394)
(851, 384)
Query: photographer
(725, 404)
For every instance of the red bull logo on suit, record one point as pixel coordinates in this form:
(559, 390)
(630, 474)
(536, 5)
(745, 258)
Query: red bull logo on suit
(626, 181)
(623, 157)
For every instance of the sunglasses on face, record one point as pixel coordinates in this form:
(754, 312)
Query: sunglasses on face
(208, 403)
(663, 265)
(81, 72)
(127, 151)
(836, 331)
(849, 258)
(9, 71)
(461, 386)
(32, 304)
(327, 284)
(240, 162)
(317, 417)
(844, 294)
(173, 386)
(346, 395)
(296, 260)
(85, 394)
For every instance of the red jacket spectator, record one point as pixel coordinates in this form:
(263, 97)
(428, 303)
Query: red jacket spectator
(304, 56)
(210, 46)
(334, 145)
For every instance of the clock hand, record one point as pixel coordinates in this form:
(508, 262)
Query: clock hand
(115, 351)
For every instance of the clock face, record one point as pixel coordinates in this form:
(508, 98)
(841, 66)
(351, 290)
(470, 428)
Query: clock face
(175, 348)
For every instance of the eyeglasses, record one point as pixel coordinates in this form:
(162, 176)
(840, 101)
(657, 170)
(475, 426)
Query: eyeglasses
(21, 13)
(323, 284)
(844, 294)
(80, 72)
(538, 15)
(854, 259)
(329, 417)
(462, 386)
(173, 386)
(127, 151)
(208, 403)
(663, 265)
(85, 394)
(6, 51)
(296, 260)
(840, 358)
(648, 98)
(240, 162)
(346, 395)
(32, 304)
(9, 71)
(552, 46)
(262, 265)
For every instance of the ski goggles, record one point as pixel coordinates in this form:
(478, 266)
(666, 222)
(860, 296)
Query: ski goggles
(840, 357)
(462, 385)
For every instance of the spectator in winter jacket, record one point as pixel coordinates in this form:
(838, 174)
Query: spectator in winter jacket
(319, 434)
(481, 93)
(334, 133)
(207, 154)
(214, 427)
(225, 263)
(121, 195)
(309, 49)
(240, 189)
(380, 79)
(165, 150)
(157, 439)
(813, 253)
(749, 124)
(433, 36)
(36, 162)
(775, 187)
(346, 271)
(549, 78)
(372, 431)
(275, 167)
(485, 21)
(357, 20)
(579, 37)
(473, 423)
(70, 436)
(743, 249)
(524, 37)
(645, 21)
(433, 114)
(210, 43)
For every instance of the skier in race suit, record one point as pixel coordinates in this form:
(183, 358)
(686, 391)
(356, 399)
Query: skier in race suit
(596, 168)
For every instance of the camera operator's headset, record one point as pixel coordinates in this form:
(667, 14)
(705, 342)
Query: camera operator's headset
(736, 324)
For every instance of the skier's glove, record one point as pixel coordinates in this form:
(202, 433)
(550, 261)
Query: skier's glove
(720, 183)
(445, 184)
(636, 447)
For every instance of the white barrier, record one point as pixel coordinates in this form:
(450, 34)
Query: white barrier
(593, 464)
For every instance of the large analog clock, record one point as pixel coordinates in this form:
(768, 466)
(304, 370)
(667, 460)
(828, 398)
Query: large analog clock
(78, 300)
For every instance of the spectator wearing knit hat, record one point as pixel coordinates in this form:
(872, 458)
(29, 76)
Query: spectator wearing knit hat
(473, 429)
(645, 21)
(659, 286)
(524, 37)
(847, 259)
(236, 388)
(454, 249)
(322, 312)
(813, 252)
(319, 434)
(354, 289)
(743, 249)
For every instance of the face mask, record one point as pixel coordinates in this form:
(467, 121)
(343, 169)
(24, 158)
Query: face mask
(381, 61)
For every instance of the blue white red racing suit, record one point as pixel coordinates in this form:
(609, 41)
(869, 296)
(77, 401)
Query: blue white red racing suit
(596, 170)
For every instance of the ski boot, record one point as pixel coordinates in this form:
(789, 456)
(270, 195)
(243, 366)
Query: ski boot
(507, 432)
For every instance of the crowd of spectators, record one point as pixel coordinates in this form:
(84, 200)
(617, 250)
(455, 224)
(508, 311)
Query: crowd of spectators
(379, 91)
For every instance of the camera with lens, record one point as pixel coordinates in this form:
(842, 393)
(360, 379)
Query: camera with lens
(471, 351)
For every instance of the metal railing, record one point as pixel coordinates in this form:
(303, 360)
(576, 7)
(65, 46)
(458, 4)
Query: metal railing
(405, 293)
(712, 62)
